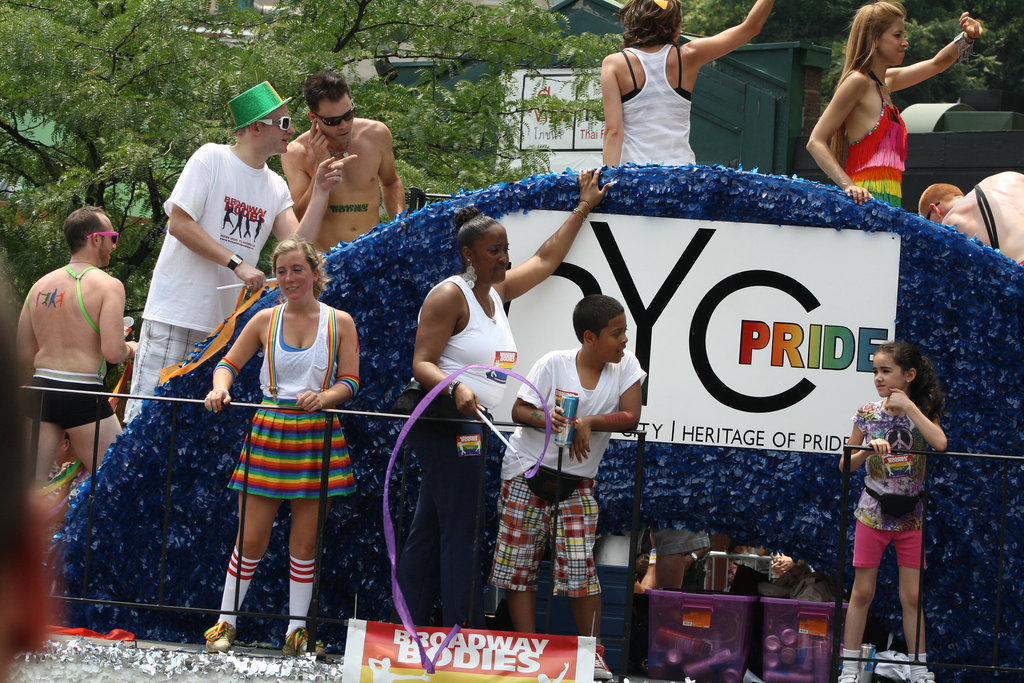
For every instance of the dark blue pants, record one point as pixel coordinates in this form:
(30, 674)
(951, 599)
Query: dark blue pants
(437, 558)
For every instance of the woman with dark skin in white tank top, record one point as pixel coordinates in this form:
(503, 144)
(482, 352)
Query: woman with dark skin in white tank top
(648, 120)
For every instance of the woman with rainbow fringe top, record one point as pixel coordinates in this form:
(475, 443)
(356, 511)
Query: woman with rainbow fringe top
(860, 141)
(310, 363)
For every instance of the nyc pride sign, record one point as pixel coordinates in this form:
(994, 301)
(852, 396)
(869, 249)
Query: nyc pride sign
(753, 335)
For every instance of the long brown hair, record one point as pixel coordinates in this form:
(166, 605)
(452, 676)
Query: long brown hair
(869, 23)
(646, 24)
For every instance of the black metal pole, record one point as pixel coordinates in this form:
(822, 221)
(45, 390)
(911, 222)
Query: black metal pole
(844, 503)
(1000, 566)
(92, 497)
(167, 503)
(476, 531)
(321, 518)
(634, 537)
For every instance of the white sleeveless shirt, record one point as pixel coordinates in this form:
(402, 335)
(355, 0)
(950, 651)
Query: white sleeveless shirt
(484, 341)
(297, 370)
(656, 121)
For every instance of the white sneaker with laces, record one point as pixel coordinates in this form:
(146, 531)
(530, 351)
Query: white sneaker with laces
(601, 670)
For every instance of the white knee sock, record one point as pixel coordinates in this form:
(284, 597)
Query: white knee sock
(227, 601)
(300, 591)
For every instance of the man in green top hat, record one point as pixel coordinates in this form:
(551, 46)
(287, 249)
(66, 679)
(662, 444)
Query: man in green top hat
(221, 211)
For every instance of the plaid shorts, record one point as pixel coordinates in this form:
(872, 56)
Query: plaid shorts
(160, 346)
(523, 530)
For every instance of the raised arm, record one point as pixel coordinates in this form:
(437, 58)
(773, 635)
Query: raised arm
(846, 98)
(898, 78)
(538, 267)
(611, 96)
(700, 51)
(304, 154)
(328, 175)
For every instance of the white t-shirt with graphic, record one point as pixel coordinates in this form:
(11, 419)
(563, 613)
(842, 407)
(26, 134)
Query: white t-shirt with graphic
(236, 205)
(555, 374)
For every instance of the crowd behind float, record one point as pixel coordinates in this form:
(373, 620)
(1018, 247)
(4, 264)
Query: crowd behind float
(340, 178)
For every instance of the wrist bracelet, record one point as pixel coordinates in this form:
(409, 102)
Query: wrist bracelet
(964, 47)
(580, 213)
(589, 205)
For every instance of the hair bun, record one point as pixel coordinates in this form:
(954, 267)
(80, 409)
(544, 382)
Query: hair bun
(465, 214)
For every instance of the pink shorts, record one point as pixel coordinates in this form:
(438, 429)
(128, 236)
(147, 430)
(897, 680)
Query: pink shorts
(869, 544)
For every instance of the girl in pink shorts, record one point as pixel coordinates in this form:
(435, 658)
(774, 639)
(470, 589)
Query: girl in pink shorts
(890, 509)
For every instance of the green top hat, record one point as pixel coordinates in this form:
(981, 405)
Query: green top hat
(254, 104)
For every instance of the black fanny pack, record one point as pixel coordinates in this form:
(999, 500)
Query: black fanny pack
(894, 504)
(443, 405)
(551, 486)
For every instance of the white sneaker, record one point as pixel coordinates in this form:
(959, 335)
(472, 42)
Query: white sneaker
(926, 677)
(601, 670)
(848, 677)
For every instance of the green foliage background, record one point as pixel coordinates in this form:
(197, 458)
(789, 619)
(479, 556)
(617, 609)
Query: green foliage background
(102, 102)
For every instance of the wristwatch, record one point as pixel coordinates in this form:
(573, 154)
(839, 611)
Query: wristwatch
(695, 558)
(235, 261)
(452, 387)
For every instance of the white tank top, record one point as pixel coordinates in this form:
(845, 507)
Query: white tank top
(656, 121)
(484, 341)
(297, 370)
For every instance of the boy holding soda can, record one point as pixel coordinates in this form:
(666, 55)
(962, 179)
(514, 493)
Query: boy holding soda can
(602, 379)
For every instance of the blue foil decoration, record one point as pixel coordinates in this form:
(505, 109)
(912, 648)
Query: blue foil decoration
(959, 301)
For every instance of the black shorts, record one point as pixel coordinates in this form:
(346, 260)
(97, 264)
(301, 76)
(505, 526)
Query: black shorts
(65, 410)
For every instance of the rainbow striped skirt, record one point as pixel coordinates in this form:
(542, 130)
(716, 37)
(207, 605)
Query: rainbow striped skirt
(286, 453)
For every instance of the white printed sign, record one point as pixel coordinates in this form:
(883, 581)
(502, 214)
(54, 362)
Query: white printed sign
(558, 132)
(754, 336)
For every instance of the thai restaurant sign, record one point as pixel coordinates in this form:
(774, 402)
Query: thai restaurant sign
(558, 132)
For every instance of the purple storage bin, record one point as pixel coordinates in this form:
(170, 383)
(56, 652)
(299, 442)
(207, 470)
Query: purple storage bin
(797, 640)
(704, 636)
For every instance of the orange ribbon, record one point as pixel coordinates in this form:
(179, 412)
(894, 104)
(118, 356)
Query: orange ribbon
(221, 336)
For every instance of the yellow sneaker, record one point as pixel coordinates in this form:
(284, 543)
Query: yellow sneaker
(296, 642)
(220, 637)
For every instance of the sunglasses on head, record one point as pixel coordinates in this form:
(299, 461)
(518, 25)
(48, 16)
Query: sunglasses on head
(335, 120)
(112, 235)
(284, 123)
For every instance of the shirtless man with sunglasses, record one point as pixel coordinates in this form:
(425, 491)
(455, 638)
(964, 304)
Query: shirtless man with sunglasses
(354, 206)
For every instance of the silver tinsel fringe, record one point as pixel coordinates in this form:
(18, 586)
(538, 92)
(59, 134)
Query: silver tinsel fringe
(82, 659)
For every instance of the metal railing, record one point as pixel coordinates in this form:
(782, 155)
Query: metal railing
(844, 517)
(314, 618)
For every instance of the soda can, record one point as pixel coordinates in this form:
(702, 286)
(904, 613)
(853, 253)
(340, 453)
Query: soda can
(867, 671)
(569, 403)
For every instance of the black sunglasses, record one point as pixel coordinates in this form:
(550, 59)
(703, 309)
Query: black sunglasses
(332, 121)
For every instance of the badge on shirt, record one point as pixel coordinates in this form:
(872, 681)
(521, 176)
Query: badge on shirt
(901, 465)
(468, 444)
(504, 360)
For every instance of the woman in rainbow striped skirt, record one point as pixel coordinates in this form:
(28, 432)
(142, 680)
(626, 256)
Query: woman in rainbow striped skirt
(310, 362)
(860, 141)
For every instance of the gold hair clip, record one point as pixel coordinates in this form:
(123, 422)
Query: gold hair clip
(663, 4)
